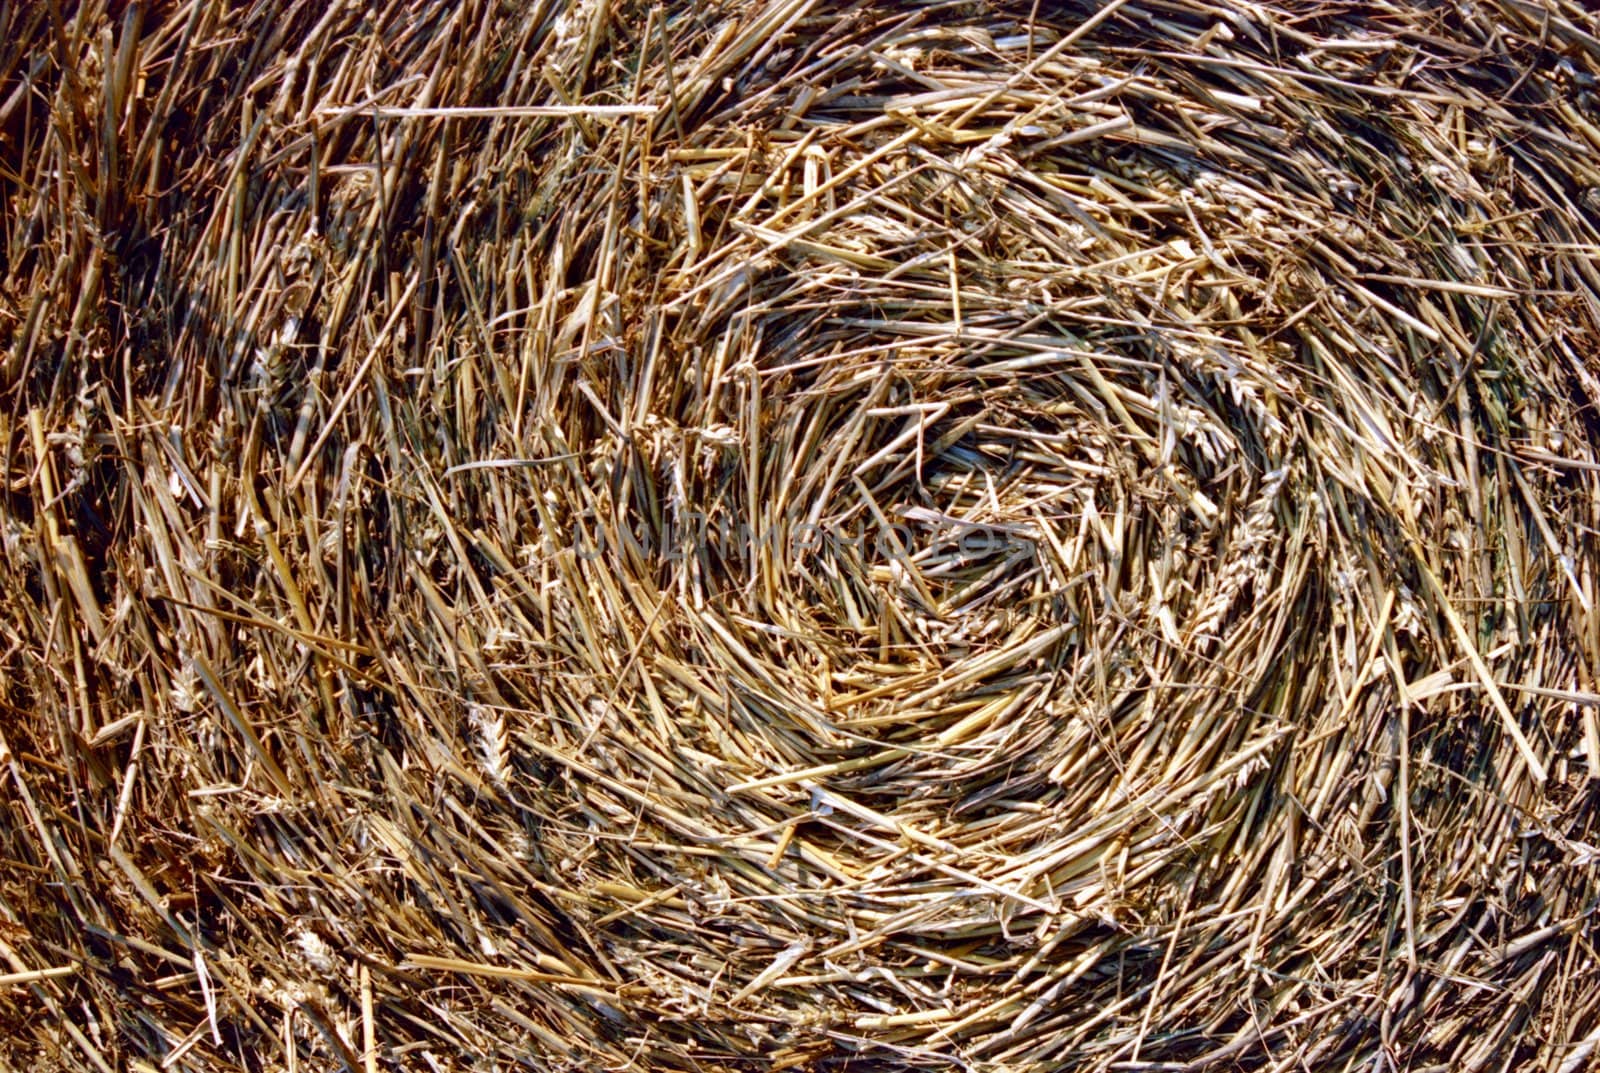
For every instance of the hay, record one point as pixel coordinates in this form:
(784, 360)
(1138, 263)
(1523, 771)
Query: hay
(797, 535)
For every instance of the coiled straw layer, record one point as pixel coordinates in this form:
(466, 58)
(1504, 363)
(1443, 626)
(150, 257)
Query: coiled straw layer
(800, 535)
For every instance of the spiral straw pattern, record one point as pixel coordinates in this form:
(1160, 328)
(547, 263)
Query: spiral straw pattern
(801, 535)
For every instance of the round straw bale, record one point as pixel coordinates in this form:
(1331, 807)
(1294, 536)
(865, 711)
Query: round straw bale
(800, 535)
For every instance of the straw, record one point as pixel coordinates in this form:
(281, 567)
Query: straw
(799, 535)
